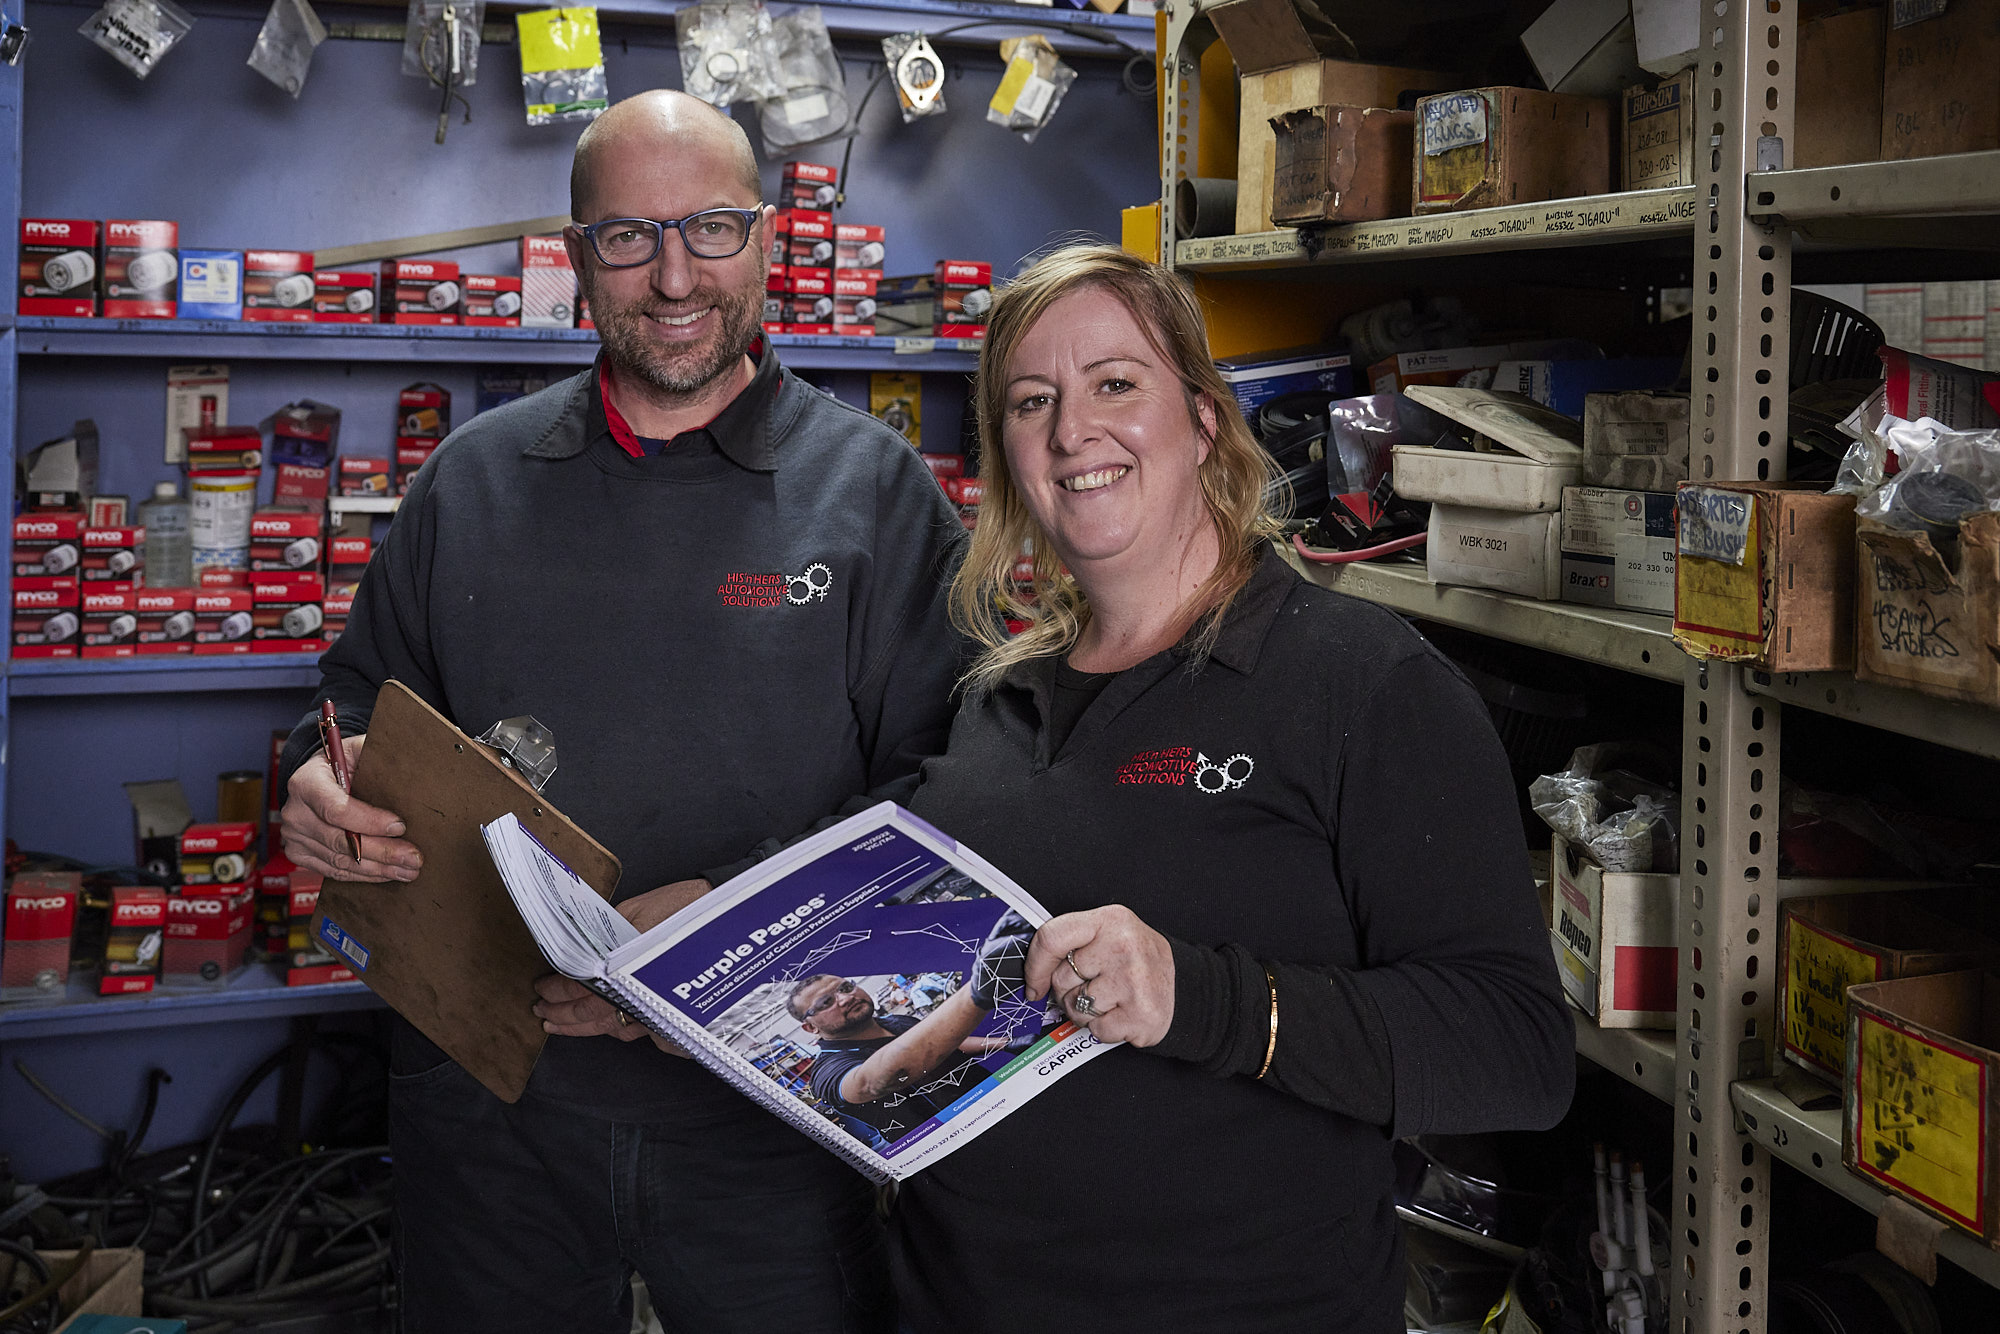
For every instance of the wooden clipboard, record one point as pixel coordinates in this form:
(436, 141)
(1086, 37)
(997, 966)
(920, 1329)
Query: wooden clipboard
(448, 950)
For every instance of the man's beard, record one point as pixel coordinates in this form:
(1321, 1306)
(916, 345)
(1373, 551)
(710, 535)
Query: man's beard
(683, 371)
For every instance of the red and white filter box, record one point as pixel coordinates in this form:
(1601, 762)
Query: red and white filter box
(48, 543)
(859, 248)
(420, 291)
(287, 611)
(142, 270)
(35, 934)
(548, 284)
(208, 934)
(110, 623)
(423, 410)
(336, 609)
(132, 946)
(965, 492)
(964, 296)
(219, 854)
(286, 541)
(60, 264)
(222, 621)
(492, 301)
(411, 454)
(166, 621)
(113, 557)
(347, 560)
(853, 304)
(944, 466)
(343, 296)
(278, 286)
(310, 965)
(365, 476)
(274, 904)
(301, 486)
(229, 451)
(46, 619)
(807, 239)
(216, 578)
(807, 185)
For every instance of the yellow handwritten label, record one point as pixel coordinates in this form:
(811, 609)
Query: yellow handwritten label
(1822, 968)
(1921, 1122)
(1718, 608)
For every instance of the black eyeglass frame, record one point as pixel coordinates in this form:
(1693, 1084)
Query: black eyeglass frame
(749, 216)
(847, 987)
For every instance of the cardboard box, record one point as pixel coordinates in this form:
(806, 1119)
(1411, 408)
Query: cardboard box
(805, 239)
(1514, 454)
(287, 612)
(305, 432)
(1921, 1100)
(1586, 47)
(808, 185)
(222, 450)
(61, 474)
(211, 285)
(142, 269)
(1563, 383)
(548, 284)
(962, 298)
(420, 291)
(965, 493)
(61, 262)
(1667, 35)
(1938, 90)
(366, 476)
(1838, 115)
(109, 622)
(208, 935)
(48, 544)
(301, 486)
(222, 621)
(411, 456)
(166, 621)
(1656, 133)
(1635, 441)
(1618, 548)
(1340, 164)
(104, 1297)
(132, 945)
(1493, 146)
(1765, 575)
(286, 540)
(113, 556)
(218, 854)
(35, 931)
(423, 410)
(335, 611)
(47, 623)
(1481, 548)
(492, 301)
(1924, 624)
(1826, 945)
(343, 296)
(859, 249)
(278, 286)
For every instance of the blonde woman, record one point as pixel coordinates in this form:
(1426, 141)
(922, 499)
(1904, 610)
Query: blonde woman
(1279, 834)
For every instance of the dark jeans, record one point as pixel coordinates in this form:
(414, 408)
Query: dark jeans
(532, 1218)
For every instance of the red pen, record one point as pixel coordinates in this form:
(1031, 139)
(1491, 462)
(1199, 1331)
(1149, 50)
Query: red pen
(336, 759)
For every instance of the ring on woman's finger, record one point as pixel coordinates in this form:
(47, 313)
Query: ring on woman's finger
(1083, 1002)
(1070, 959)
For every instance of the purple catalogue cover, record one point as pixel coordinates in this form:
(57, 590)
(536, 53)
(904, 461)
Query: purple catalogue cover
(864, 984)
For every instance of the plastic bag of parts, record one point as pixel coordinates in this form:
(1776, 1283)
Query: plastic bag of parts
(1940, 477)
(441, 41)
(813, 104)
(1913, 387)
(138, 33)
(285, 44)
(917, 72)
(1031, 87)
(1626, 822)
(721, 46)
(562, 66)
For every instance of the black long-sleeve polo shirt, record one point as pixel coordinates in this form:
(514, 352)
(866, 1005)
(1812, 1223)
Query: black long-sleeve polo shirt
(1323, 796)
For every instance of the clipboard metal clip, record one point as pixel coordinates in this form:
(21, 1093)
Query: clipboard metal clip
(524, 746)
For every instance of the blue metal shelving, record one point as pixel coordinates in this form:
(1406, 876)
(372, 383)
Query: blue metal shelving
(141, 676)
(257, 991)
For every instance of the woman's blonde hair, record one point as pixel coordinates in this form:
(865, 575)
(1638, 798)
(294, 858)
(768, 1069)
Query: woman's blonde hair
(1234, 477)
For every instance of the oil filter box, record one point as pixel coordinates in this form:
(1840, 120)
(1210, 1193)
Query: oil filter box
(35, 934)
(424, 410)
(218, 854)
(142, 270)
(1493, 146)
(420, 291)
(208, 934)
(305, 432)
(347, 560)
(274, 896)
(132, 946)
(285, 540)
(492, 301)
(964, 295)
(226, 450)
(110, 623)
(287, 611)
(211, 285)
(166, 621)
(278, 286)
(222, 621)
(412, 453)
(859, 249)
(46, 621)
(113, 557)
(60, 262)
(47, 544)
(809, 185)
(343, 296)
(804, 238)
(364, 476)
(548, 284)
(301, 486)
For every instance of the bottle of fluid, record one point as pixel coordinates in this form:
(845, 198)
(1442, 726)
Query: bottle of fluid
(169, 544)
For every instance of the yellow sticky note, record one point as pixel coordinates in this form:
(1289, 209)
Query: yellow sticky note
(1821, 970)
(1920, 1123)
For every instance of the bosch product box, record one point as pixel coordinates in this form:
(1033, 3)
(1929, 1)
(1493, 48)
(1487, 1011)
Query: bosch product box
(343, 296)
(48, 544)
(424, 411)
(287, 612)
(411, 455)
(365, 476)
(807, 185)
(278, 286)
(218, 854)
(226, 450)
(110, 620)
(46, 620)
(166, 621)
(1255, 378)
(113, 556)
(305, 432)
(859, 249)
(284, 540)
(1618, 548)
(142, 270)
(548, 284)
(964, 295)
(492, 301)
(208, 935)
(35, 933)
(301, 486)
(211, 285)
(221, 621)
(347, 558)
(60, 262)
(132, 946)
(420, 291)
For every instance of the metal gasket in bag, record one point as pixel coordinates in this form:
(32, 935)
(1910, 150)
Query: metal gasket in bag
(918, 73)
(562, 66)
(721, 47)
(285, 44)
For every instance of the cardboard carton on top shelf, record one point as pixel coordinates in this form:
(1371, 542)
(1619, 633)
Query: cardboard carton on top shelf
(1585, 47)
(1487, 147)
(1765, 575)
(1839, 90)
(1657, 135)
(1924, 624)
(1666, 35)
(1939, 93)
(1340, 164)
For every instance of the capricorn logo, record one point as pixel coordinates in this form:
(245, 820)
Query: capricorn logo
(1227, 776)
(812, 586)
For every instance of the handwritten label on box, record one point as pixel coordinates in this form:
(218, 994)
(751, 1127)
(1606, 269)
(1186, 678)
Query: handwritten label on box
(1821, 970)
(1458, 121)
(1921, 1122)
(1715, 525)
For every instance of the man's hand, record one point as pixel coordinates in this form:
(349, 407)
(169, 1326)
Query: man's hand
(1126, 967)
(318, 816)
(569, 1009)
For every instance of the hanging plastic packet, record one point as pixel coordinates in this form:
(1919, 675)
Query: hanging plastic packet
(811, 105)
(721, 45)
(138, 33)
(562, 66)
(1031, 88)
(441, 41)
(285, 44)
(917, 72)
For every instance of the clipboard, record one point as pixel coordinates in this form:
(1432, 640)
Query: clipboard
(448, 950)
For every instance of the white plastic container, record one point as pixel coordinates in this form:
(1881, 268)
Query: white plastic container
(169, 539)
(220, 526)
(1524, 454)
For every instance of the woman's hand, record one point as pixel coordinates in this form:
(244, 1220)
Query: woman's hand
(1123, 965)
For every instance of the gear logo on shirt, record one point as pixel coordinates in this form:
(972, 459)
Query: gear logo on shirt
(777, 590)
(1184, 766)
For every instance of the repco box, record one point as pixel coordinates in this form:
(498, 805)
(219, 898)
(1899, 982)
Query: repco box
(420, 291)
(283, 540)
(278, 286)
(142, 270)
(343, 296)
(221, 621)
(35, 937)
(132, 945)
(424, 410)
(964, 294)
(166, 621)
(110, 623)
(492, 301)
(208, 935)
(548, 284)
(287, 612)
(46, 624)
(48, 544)
(60, 261)
(807, 185)
(112, 556)
(218, 854)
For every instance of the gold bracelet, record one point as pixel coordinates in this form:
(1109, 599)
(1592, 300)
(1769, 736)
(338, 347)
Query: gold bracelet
(1271, 1047)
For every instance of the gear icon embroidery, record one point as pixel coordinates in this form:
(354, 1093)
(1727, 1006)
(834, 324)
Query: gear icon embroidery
(812, 586)
(1214, 778)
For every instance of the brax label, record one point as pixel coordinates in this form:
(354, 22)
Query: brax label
(776, 590)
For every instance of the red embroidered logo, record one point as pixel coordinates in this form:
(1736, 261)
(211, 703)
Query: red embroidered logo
(772, 590)
(1178, 766)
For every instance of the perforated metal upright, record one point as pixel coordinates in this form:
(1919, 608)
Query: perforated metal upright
(1188, 35)
(1729, 844)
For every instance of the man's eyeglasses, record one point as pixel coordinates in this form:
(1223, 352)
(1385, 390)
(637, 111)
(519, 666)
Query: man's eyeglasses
(626, 243)
(829, 999)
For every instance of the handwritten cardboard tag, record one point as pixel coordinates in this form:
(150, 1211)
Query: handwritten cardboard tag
(1458, 121)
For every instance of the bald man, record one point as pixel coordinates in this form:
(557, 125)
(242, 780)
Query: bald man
(723, 591)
